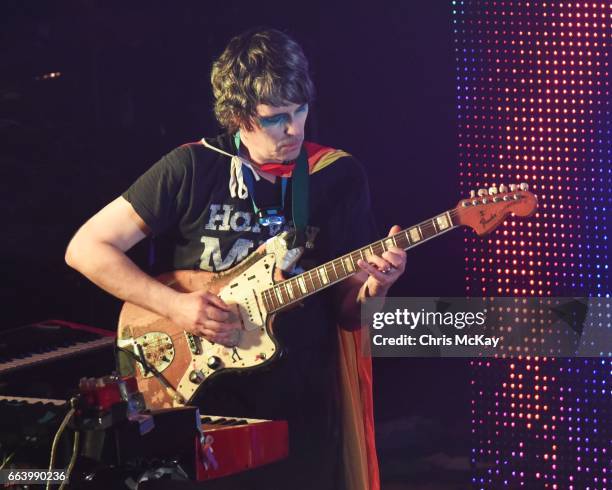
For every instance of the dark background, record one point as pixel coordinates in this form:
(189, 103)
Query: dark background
(135, 83)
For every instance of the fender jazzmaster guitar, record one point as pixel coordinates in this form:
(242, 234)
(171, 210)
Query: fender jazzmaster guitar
(172, 364)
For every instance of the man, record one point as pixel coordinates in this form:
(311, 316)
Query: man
(216, 201)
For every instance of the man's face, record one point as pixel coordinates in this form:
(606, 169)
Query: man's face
(277, 133)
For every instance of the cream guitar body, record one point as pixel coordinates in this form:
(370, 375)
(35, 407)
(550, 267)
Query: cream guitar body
(184, 360)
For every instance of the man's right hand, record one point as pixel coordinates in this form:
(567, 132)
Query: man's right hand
(206, 315)
(98, 251)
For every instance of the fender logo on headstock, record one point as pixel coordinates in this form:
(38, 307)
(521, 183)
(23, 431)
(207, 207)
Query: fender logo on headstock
(485, 221)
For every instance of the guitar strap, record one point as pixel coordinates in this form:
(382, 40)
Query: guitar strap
(299, 198)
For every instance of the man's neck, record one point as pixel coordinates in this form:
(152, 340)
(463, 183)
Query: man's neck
(266, 175)
(244, 151)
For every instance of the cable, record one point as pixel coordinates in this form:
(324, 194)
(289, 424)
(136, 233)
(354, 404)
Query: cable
(7, 460)
(56, 439)
(75, 450)
(172, 391)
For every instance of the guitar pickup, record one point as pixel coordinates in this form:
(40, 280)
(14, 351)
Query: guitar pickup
(195, 343)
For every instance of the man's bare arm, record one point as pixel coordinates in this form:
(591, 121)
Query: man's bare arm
(98, 249)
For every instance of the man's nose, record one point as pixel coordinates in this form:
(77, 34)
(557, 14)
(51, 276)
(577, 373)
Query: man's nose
(293, 128)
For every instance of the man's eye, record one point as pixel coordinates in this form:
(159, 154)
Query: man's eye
(270, 121)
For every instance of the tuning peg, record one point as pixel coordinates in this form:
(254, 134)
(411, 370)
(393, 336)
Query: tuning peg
(502, 189)
(512, 187)
(492, 191)
(482, 192)
(524, 186)
(472, 194)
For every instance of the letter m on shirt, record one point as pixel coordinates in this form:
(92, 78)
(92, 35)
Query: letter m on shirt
(211, 259)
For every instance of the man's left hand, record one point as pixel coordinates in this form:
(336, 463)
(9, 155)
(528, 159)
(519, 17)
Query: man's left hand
(383, 270)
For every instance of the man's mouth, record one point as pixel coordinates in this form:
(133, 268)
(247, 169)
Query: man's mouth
(290, 146)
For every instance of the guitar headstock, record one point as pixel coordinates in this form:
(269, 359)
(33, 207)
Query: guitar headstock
(486, 210)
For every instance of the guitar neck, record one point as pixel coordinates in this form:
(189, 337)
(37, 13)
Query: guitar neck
(292, 290)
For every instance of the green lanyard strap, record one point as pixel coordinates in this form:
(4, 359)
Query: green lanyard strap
(299, 197)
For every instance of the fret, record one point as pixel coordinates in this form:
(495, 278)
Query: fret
(442, 221)
(332, 273)
(348, 261)
(289, 290)
(278, 295)
(450, 219)
(433, 223)
(337, 272)
(284, 293)
(344, 271)
(316, 279)
(426, 232)
(323, 274)
(308, 282)
(333, 264)
(423, 230)
(293, 289)
(302, 282)
(377, 248)
(264, 298)
(272, 299)
(431, 231)
(296, 288)
(415, 234)
(364, 253)
(402, 240)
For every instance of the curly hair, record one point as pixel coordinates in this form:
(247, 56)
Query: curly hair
(258, 67)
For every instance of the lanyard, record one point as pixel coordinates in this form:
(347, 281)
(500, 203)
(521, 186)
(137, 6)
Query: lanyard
(249, 180)
(299, 191)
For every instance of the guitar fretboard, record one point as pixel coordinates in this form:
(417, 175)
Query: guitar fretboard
(287, 292)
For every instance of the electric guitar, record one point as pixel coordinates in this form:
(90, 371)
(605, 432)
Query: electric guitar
(172, 364)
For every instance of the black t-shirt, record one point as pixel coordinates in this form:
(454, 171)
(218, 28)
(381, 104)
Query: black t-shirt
(185, 199)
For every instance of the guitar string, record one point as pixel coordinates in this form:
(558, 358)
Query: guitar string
(268, 296)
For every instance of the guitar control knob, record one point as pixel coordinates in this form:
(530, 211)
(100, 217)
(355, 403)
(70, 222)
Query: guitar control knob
(512, 187)
(502, 189)
(524, 186)
(213, 362)
(196, 376)
(492, 191)
(472, 194)
(482, 192)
